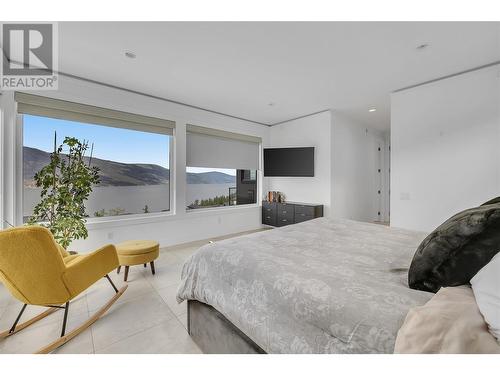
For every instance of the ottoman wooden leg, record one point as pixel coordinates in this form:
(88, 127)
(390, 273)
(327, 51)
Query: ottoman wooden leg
(152, 267)
(145, 265)
(118, 269)
(126, 273)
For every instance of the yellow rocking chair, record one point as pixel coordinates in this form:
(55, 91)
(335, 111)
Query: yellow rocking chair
(37, 271)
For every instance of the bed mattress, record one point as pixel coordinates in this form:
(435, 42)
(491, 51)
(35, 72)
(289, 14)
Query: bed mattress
(322, 286)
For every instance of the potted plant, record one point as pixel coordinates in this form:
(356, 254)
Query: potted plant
(66, 184)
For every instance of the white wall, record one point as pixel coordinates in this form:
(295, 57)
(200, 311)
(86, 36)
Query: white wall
(355, 176)
(445, 142)
(310, 131)
(347, 159)
(178, 227)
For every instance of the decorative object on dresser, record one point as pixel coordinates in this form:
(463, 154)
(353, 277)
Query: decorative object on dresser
(276, 196)
(280, 214)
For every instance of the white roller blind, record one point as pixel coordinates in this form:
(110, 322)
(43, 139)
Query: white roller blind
(65, 110)
(211, 148)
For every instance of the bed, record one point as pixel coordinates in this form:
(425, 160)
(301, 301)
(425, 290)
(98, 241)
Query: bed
(322, 286)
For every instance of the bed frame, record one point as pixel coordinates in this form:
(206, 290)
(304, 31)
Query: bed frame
(215, 334)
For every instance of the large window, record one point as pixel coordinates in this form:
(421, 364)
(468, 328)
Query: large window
(221, 168)
(134, 166)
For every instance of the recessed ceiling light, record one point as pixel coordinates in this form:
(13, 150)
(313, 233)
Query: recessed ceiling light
(422, 46)
(372, 110)
(130, 55)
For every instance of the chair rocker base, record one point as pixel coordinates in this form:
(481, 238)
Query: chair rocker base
(26, 324)
(68, 336)
(64, 339)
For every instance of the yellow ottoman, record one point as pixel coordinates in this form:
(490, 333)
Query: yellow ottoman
(131, 253)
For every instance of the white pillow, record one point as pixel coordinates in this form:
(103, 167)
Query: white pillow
(486, 287)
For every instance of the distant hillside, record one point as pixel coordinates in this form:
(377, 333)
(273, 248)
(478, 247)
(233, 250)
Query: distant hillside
(210, 178)
(121, 174)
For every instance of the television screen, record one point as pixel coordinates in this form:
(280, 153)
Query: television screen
(289, 162)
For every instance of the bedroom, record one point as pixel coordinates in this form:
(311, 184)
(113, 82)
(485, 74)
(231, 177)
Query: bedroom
(250, 187)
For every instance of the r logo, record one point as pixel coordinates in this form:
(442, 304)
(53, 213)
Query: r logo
(29, 59)
(28, 48)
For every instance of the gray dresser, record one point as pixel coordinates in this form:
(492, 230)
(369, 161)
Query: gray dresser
(281, 214)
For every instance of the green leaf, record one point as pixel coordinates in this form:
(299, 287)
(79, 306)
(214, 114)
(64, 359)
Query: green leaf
(66, 183)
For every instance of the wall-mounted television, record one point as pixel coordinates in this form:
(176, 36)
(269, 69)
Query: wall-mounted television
(289, 162)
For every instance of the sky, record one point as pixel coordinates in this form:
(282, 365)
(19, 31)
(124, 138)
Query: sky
(122, 145)
(231, 172)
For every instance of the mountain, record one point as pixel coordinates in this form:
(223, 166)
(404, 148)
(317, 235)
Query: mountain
(210, 178)
(121, 174)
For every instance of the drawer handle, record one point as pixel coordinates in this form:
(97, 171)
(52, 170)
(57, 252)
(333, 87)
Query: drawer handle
(268, 217)
(284, 220)
(302, 214)
(284, 212)
(269, 209)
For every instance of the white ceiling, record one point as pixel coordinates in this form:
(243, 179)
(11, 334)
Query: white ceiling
(239, 68)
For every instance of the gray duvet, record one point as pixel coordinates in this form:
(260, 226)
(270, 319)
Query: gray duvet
(322, 286)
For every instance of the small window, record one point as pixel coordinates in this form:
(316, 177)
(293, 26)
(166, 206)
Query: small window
(221, 168)
(219, 187)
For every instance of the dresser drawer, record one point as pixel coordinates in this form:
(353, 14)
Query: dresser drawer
(268, 218)
(269, 209)
(304, 210)
(268, 204)
(285, 206)
(269, 213)
(281, 214)
(300, 217)
(281, 222)
(285, 211)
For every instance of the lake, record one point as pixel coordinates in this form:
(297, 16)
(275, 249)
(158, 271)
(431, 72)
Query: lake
(133, 199)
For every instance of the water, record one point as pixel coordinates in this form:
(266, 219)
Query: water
(133, 199)
(205, 191)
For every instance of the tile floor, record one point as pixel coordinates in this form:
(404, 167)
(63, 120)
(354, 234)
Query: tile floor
(146, 318)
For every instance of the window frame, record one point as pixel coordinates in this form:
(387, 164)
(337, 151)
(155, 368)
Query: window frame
(246, 205)
(19, 197)
(212, 131)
